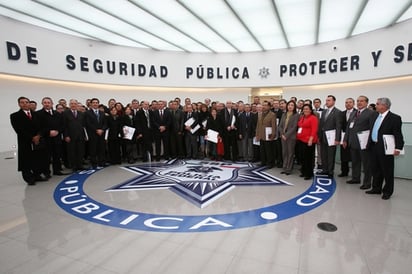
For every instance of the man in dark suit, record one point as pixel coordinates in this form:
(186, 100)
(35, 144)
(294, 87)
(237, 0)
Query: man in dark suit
(191, 137)
(176, 131)
(96, 126)
(256, 148)
(143, 125)
(345, 157)
(228, 117)
(277, 143)
(317, 108)
(360, 121)
(246, 133)
(52, 124)
(162, 120)
(330, 121)
(74, 135)
(386, 123)
(27, 127)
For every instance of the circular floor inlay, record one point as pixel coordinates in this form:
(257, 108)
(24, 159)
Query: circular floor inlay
(327, 227)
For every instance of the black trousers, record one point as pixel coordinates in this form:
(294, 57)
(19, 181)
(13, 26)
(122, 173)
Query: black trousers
(307, 155)
(382, 169)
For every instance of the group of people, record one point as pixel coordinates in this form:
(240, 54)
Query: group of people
(273, 132)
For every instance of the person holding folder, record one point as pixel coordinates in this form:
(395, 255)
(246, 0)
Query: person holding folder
(386, 123)
(330, 128)
(359, 124)
(266, 133)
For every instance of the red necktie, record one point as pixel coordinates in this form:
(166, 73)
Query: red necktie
(29, 115)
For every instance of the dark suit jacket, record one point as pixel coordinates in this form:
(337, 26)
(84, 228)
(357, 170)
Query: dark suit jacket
(114, 125)
(141, 125)
(25, 129)
(195, 117)
(344, 121)
(177, 121)
(391, 125)
(165, 120)
(245, 125)
(363, 122)
(227, 119)
(49, 122)
(93, 124)
(333, 121)
(74, 126)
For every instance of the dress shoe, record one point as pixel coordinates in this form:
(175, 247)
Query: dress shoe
(373, 192)
(287, 173)
(307, 178)
(40, 179)
(386, 197)
(48, 176)
(59, 173)
(342, 175)
(352, 182)
(364, 187)
(301, 175)
(283, 172)
(31, 183)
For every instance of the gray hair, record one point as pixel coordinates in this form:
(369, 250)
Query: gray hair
(385, 101)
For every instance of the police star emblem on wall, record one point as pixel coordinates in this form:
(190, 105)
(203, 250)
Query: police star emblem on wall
(264, 72)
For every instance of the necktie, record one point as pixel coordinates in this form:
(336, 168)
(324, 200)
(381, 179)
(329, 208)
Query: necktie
(358, 114)
(161, 114)
(50, 112)
(97, 114)
(327, 113)
(146, 113)
(28, 113)
(75, 114)
(375, 128)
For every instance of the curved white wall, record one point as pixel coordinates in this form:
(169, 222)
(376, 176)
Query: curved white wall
(43, 55)
(32, 51)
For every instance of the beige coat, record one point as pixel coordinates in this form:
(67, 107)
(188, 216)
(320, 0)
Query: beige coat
(266, 120)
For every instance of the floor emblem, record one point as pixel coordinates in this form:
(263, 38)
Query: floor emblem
(200, 182)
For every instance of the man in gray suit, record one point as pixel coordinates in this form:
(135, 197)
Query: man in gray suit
(330, 122)
(361, 121)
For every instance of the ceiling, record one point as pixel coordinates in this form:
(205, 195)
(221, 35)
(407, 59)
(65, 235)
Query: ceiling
(210, 25)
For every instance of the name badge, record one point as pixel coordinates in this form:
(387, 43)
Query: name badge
(299, 130)
(351, 124)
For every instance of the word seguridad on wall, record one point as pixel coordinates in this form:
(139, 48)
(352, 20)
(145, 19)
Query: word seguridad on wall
(119, 67)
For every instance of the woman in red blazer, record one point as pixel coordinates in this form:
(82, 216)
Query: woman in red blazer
(307, 137)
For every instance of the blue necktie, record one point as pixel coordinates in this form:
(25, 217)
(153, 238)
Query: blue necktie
(375, 128)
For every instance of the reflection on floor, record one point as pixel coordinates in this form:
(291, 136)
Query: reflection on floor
(37, 235)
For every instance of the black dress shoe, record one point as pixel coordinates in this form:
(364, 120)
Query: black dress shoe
(40, 179)
(59, 173)
(386, 197)
(283, 172)
(287, 173)
(352, 182)
(373, 192)
(31, 183)
(301, 175)
(307, 178)
(342, 175)
(364, 187)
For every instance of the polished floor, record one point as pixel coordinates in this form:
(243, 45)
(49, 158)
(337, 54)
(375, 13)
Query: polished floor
(38, 236)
